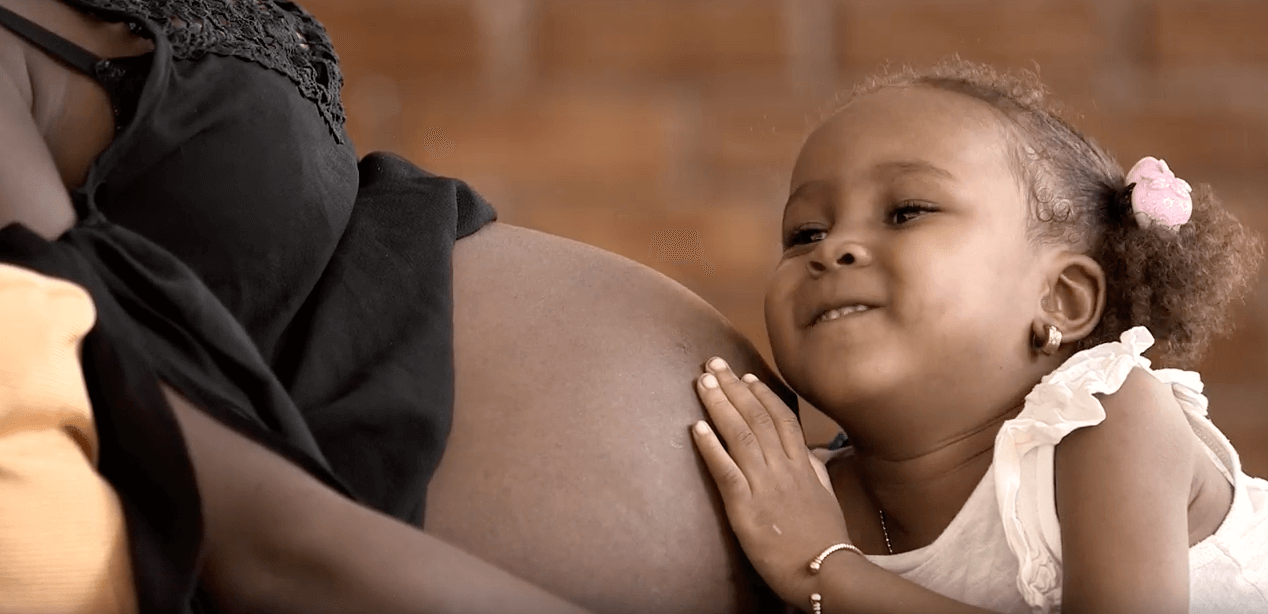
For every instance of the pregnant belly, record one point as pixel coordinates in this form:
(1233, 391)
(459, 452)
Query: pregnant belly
(569, 463)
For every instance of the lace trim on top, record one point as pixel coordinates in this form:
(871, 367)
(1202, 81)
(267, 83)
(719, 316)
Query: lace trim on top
(1063, 402)
(277, 35)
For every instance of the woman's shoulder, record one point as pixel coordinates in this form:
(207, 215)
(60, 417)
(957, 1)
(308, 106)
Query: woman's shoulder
(71, 111)
(104, 38)
(280, 36)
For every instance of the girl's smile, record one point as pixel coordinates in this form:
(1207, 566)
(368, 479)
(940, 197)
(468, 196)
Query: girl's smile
(906, 264)
(966, 288)
(842, 312)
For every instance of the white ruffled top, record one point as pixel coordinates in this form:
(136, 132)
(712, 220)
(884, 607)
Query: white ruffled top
(1002, 551)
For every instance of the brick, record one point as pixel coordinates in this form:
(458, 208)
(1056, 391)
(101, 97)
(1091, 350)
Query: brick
(659, 38)
(1240, 358)
(741, 248)
(438, 38)
(1193, 142)
(1229, 89)
(374, 105)
(747, 133)
(541, 135)
(574, 206)
(1207, 32)
(1241, 413)
(1061, 35)
(1206, 122)
(1246, 197)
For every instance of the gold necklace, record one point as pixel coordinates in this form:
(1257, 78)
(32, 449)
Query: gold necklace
(889, 548)
(885, 531)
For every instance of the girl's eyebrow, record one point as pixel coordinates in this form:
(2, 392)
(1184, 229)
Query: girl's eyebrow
(904, 167)
(884, 170)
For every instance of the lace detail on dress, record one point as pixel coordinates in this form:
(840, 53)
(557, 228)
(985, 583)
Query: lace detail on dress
(1064, 401)
(278, 35)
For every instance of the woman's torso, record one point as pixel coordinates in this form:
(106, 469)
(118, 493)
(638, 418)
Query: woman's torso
(614, 508)
(224, 147)
(569, 462)
(236, 161)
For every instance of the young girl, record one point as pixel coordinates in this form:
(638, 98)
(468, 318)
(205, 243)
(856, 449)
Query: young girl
(967, 287)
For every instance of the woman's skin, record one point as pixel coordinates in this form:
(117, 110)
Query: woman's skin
(275, 539)
(570, 462)
(53, 120)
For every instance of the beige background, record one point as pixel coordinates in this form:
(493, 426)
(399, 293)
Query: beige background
(615, 121)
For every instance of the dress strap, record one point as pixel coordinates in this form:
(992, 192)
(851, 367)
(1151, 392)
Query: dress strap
(77, 57)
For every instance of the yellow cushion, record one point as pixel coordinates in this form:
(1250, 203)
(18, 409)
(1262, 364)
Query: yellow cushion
(63, 544)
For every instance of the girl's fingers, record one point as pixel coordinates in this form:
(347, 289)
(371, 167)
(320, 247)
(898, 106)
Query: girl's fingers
(786, 423)
(755, 414)
(745, 450)
(731, 481)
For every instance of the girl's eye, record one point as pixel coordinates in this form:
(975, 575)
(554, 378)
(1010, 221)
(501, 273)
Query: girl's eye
(802, 236)
(906, 212)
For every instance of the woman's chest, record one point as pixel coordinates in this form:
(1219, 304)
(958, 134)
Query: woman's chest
(71, 109)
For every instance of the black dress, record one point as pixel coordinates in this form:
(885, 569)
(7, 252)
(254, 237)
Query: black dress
(236, 249)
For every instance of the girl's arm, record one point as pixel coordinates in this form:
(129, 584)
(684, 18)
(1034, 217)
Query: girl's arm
(279, 541)
(784, 516)
(1122, 492)
(1122, 495)
(853, 585)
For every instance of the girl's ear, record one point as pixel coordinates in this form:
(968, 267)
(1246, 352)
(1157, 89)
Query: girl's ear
(1075, 298)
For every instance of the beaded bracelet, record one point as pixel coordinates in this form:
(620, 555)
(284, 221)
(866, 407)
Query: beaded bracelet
(816, 600)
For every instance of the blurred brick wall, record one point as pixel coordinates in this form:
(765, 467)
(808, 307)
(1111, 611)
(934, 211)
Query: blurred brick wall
(610, 121)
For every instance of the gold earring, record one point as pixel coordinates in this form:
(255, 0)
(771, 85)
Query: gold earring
(1053, 341)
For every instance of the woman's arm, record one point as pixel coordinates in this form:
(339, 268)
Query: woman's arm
(279, 541)
(1122, 490)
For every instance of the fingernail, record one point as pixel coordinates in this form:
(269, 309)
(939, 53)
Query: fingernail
(709, 381)
(749, 377)
(717, 364)
(701, 428)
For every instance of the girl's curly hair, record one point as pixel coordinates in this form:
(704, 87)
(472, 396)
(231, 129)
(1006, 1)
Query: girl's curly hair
(1181, 286)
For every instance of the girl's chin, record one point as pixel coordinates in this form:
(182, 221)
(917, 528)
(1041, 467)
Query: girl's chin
(841, 392)
(858, 382)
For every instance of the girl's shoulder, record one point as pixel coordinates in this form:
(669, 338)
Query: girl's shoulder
(1072, 395)
(1150, 411)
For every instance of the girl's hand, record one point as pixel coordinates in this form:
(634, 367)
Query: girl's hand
(775, 499)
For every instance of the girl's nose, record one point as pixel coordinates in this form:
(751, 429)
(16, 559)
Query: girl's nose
(835, 254)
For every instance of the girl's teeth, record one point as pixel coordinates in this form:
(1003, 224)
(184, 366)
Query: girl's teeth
(842, 311)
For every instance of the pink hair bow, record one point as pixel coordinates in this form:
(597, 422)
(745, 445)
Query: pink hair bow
(1159, 196)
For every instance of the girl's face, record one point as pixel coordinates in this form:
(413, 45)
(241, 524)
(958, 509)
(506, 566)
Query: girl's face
(904, 209)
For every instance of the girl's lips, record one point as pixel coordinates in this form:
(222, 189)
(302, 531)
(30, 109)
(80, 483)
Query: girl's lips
(841, 312)
(832, 310)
